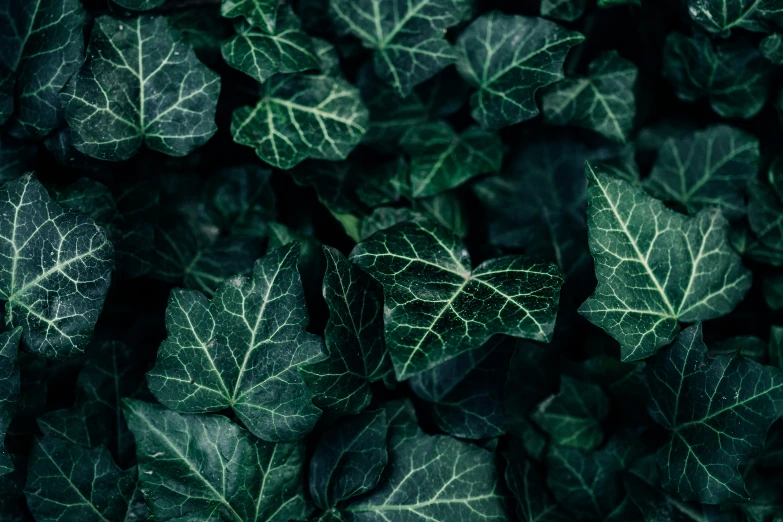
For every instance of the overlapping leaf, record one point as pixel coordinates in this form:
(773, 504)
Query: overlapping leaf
(142, 84)
(43, 46)
(765, 214)
(349, 459)
(68, 482)
(466, 392)
(441, 159)
(242, 350)
(354, 339)
(732, 74)
(434, 478)
(718, 410)
(406, 35)
(508, 58)
(261, 13)
(603, 101)
(437, 306)
(655, 267)
(262, 54)
(9, 389)
(720, 16)
(533, 501)
(206, 465)
(706, 168)
(565, 10)
(55, 272)
(302, 116)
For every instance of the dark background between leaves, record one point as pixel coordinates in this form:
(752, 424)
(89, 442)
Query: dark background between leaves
(135, 309)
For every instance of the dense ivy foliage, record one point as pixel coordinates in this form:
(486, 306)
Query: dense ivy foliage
(391, 260)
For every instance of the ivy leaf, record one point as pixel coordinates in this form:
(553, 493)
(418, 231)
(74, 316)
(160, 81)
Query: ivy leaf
(202, 30)
(564, 10)
(302, 116)
(573, 416)
(717, 16)
(140, 84)
(354, 339)
(261, 13)
(508, 58)
(261, 54)
(139, 5)
(15, 157)
(771, 48)
(441, 159)
(9, 390)
(746, 244)
(706, 168)
(732, 75)
(603, 101)
(655, 267)
(68, 482)
(56, 270)
(719, 411)
(240, 200)
(206, 465)
(242, 350)
(111, 372)
(407, 36)
(349, 459)
(43, 47)
(435, 478)
(383, 218)
(466, 392)
(533, 502)
(765, 215)
(437, 306)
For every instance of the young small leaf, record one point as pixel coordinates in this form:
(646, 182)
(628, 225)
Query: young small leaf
(68, 482)
(9, 389)
(354, 339)
(718, 410)
(302, 116)
(437, 306)
(140, 84)
(407, 36)
(706, 168)
(655, 267)
(56, 270)
(603, 101)
(573, 416)
(261, 54)
(732, 75)
(441, 159)
(209, 466)
(242, 351)
(349, 459)
(508, 58)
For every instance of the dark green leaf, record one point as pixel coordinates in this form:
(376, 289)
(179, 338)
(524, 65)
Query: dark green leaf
(603, 101)
(433, 478)
(446, 209)
(56, 270)
(441, 159)
(508, 58)
(112, 372)
(718, 410)
(383, 218)
(242, 350)
(43, 46)
(140, 84)
(15, 157)
(773, 292)
(202, 30)
(407, 36)
(573, 416)
(720, 16)
(240, 200)
(771, 48)
(302, 116)
(466, 392)
(68, 482)
(565, 10)
(349, 459)
(139, 5)
(744, 241)
(655, 267)
(261, 54)
(533, 501)
(748, 346)
(206, 465)
(9, 389)
(262, 13)
(354, 339)
(437, 306)
(706, 168)
(765, 214)
(732, 75)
